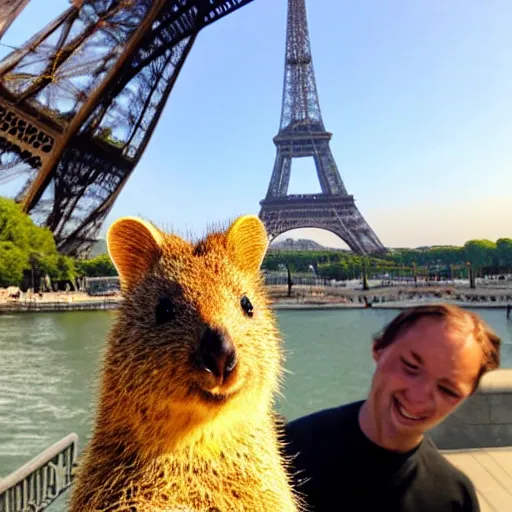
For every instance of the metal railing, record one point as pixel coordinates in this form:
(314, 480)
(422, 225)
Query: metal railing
(38, 483)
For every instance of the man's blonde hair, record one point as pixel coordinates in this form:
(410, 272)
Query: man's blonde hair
(463, 320)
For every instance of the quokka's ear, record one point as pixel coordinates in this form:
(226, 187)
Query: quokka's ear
(247, 241)
(133, 244)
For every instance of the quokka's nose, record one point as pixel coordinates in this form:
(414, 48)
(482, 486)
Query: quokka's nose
(217, 353)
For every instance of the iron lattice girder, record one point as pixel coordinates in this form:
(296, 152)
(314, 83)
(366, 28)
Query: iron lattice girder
(299, 145)
(336, 214)
(300, 105)
(9, 9)
(319, 149)
(302, 134)
(81, 99)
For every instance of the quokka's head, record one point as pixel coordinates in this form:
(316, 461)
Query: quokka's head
(195, 333)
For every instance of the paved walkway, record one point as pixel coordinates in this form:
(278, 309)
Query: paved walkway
(490, 470)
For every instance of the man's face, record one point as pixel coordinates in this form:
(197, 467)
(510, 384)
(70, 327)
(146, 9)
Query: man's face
(420, 378)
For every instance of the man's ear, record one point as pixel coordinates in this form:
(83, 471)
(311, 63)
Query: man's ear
(376, 352)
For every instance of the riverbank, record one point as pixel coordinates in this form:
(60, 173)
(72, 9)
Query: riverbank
(59, 301)
(302, 297)
(393, 297)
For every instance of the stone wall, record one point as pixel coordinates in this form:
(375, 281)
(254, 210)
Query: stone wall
(484, 420)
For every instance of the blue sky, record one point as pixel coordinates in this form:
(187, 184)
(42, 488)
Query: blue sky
(418, 96)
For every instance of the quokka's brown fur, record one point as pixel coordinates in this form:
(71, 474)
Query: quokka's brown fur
(170, 435)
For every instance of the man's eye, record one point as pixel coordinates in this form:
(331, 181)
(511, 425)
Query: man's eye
(409, 366)
(449, 392)
(165, 311)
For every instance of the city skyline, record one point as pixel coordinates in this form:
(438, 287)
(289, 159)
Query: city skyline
(418, 99)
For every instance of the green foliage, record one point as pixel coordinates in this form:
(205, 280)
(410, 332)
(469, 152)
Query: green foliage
(443, 261)
(66, 270)
(301, 259)
(448, 255)
(504, 252)
(480, 253)
(27, 247)
(100, 266)
(366, 286)
(13, 261)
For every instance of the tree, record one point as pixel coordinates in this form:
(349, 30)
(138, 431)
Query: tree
(448, 261)
(101, 266)
(480, 253)
(365, 276)
(13, 261)
(35, 246)
(290, 281)
(504, 252)
(66, 268)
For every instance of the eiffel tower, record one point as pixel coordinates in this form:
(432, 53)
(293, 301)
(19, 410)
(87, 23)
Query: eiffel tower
(302, 134)
(80, 100)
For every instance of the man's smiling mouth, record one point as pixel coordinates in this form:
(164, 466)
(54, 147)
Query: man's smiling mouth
(406, 414)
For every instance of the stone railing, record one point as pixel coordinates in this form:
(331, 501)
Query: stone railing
(484, 420)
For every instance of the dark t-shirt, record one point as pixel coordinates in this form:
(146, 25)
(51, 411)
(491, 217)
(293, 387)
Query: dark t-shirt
(339, 468)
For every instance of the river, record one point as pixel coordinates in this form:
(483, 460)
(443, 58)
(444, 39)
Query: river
(49, 362)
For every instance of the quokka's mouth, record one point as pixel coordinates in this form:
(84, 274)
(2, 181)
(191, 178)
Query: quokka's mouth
(217, 398)
(212, 397)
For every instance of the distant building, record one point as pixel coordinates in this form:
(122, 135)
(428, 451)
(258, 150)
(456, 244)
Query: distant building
(300, 245)
(102, 285)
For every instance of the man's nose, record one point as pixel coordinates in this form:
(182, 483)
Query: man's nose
(421, 393)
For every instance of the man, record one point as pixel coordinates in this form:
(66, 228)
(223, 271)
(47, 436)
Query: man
(373, 455)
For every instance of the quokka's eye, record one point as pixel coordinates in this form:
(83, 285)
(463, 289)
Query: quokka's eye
(165, 311)
(246, 305)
